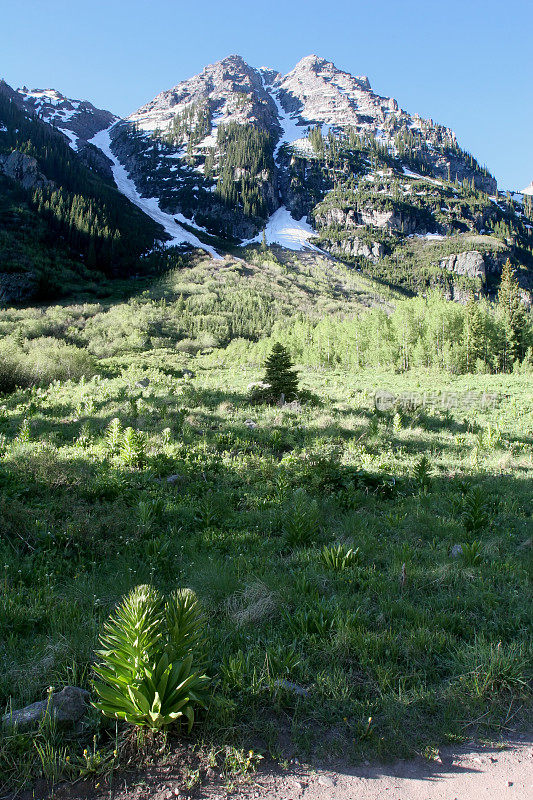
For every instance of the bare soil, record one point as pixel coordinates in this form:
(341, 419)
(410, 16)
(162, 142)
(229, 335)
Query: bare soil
(469, 772)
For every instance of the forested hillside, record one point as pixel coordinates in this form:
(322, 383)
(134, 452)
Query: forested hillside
(59, 219)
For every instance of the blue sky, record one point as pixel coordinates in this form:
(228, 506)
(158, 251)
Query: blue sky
(467, 64)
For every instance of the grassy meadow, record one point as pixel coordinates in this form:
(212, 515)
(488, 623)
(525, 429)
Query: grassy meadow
(321, 536)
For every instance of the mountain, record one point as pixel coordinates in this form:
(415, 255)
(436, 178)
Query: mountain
(239, 155)
(528, 189)
(235, 151)
(61, 222)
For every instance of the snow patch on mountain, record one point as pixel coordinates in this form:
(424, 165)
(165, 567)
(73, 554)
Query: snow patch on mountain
(284, 230)
(73, 139)
(149, 205)
(291, 130)
(528, 189)
(410, 174)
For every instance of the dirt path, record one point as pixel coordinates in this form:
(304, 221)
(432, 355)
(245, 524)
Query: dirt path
(474, 773)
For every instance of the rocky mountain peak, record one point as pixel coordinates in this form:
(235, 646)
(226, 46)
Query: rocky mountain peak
(78, 120)
(326, 70)
(229, 90)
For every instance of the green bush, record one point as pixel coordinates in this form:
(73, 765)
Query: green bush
(150, 670)
(40, 361)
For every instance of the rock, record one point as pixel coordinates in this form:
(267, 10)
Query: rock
(325, 781)
(142, 384)
(355, 246)
(471, 264)
(456, 551)
(250, 424)
(67, 706)
(281, 683)
(24, 169)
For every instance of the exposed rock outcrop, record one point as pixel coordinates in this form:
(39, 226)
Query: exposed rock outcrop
(23, 169)
(471, 264)
(353, 247)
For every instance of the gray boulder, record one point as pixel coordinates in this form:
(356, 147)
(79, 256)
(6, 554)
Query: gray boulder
(67, 706)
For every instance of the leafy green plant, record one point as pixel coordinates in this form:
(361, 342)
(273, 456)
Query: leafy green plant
(24, 434)
(422, 473)
(471, 553)
(317, 621)
(280, 661)
(95, 761)
(113, 435)
(475, 516)
(149, 511)
(237, 762)
(149, 673)
(489, 438)
(302, 519)
(132, 448)
(339, 557)
(234, 668)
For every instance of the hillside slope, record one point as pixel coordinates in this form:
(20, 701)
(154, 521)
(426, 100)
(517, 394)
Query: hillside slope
(60, 221)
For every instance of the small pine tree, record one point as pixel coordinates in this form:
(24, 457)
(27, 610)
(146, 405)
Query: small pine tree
(280, 374)
(474, 335)
(514, 313)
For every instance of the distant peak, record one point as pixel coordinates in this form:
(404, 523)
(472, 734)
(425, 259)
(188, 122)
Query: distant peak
(313, 61)
(233, 60)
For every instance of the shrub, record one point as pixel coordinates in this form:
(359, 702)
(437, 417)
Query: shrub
(41, 361)
(11, 371)
(150, 671)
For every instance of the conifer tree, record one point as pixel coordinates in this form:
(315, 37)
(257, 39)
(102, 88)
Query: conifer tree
(280, 374)
(514, 313)
(475, 335)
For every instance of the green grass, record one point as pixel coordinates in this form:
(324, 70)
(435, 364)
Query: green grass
(432, 648)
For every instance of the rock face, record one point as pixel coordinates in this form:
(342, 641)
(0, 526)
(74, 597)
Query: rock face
(23, 169)
(67, 706)
(78, 120)
(319, 92)
(471, 264)
(231, 89)
(353, 247)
